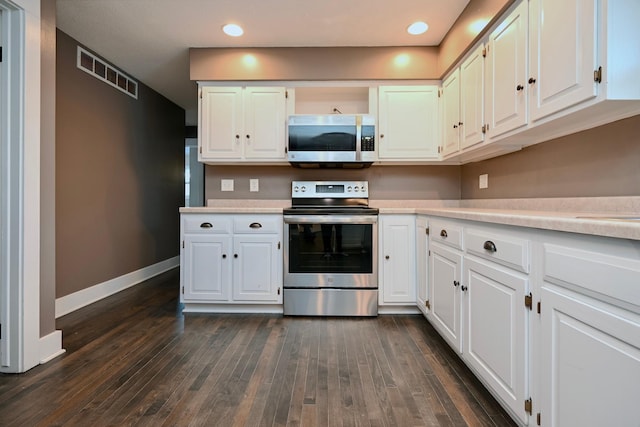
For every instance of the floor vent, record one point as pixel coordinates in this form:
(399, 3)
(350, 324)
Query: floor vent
(99, 69)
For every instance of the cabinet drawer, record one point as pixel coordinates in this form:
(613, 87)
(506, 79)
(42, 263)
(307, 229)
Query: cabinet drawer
(510, 251)
(257, 224)
(211, 224)
(607, 275)
(446, 232)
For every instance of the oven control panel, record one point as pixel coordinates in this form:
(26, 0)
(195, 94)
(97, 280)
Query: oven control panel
(331, 189)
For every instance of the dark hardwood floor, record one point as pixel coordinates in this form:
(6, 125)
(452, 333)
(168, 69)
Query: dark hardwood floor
(134, 359)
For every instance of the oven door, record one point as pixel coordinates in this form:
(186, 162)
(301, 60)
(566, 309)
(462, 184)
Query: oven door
(331, 251)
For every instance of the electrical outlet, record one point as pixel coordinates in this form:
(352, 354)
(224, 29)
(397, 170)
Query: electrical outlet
(484, 181)
(254, 185)
(226, 185)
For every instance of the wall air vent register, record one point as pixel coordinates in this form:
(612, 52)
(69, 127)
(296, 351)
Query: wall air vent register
(99, 69)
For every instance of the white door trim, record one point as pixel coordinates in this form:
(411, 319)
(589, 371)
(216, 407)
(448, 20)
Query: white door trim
(20, 186)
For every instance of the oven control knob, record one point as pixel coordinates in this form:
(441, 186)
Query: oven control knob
(296, 189)
(355, 188)
(349, 189)
(303, 189)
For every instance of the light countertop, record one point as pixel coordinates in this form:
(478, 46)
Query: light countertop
(576, 215)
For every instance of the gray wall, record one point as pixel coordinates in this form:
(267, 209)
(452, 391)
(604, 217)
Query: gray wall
(604, 161)
(385, 182)
(119, 177)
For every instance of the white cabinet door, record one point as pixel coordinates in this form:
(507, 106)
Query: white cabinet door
(590, 369)
(451, 112)
(563, 44)
(239, 124)
(472, 99)
(496, 330)
(398, 259)
(422, 264)
(257, 267)
(207, 268)
(264, 122)
(445, 270)
(221, 123)
(506, 78)
(408, 122)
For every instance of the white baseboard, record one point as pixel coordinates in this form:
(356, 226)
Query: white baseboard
(76, 300)
(398, 309)
(51, 346)
(190, 307)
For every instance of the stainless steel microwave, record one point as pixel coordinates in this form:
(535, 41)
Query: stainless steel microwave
(334, 140)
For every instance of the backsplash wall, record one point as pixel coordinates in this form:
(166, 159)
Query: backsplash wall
(385, 182)
(599, 162)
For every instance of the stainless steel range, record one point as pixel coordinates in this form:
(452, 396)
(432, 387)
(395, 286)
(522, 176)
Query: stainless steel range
(331, 246)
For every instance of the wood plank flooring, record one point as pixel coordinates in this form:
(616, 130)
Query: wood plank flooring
(134, 359)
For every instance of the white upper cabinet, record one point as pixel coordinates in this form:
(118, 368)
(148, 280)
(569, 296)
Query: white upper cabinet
(584, 61)
(220, 123)
(506, 74)
(552, 68)
(239, 124)
(408, 122)
(264, 122)
(563, 54)
(472, 99)
(451, 111)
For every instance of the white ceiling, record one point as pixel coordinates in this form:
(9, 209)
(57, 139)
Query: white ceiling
(149, 39)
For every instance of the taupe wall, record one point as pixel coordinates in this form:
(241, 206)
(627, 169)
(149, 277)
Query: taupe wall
(604, 161)
(47, 167)
(119, 177)
(314, 63)
(475, 19)
(349, 63)
(385, 182)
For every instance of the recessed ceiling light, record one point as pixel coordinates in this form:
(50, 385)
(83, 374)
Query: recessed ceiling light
(417, 28)
(233, 30)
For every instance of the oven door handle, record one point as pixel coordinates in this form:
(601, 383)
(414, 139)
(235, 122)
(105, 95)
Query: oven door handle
(330, 219)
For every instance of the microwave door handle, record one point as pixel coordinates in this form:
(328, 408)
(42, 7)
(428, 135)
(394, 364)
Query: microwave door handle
(358, 138)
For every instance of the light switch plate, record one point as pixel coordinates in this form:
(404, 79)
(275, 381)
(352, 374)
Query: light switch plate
(254, 184)
(484, 181)
(226, 185)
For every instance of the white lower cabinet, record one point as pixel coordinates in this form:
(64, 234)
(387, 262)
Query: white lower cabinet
(257, 268)
(589, 373)
(478, 304)
(590, 362)
(548, 321)
(231, 259)
(206, 273)
(397, 260)
(496, 330)
(445, 270)
(422, 264)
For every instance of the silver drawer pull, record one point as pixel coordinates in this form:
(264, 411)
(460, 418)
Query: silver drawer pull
(490, 246)
(255, 225)
(443, 233)
(206, 225)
